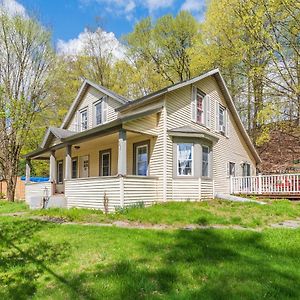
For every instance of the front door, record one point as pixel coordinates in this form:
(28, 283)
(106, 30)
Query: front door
(84, 166)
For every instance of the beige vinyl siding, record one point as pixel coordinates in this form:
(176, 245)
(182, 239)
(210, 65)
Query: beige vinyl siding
(207, 188)
(185, 189)
(88, 100)
(232, 148)
(140, 189)
(89, 192)
(146, 125)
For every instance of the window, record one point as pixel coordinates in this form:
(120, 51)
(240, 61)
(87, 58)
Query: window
(98, 113)
(60, 172)
(105, 162)
(231, 169)
(74, 167)
(222, 119)
(84, 120)
(199, 108)
(205, 161)
(246, 169)
(185, 159)
(141, 158)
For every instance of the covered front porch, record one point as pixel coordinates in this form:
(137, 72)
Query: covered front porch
(104, 171)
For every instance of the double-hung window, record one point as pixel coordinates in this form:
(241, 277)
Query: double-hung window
(222, 119)
(246, 169)
(74, 167)
(100, 111)
(231, 167)
(83, 120)
(200, 107)
(105, 163)
(60, 171)
(185, 159)
(141, 159)
(205, 161)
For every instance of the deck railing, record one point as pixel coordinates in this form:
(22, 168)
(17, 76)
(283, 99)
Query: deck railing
(266, 184)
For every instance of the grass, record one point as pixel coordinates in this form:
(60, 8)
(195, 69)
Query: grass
(10, 207)
(40, 260)
(183, 213)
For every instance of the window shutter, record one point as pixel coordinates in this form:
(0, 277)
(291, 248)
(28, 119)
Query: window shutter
(193, 103)
(217, 116)
(227, 123)
(207, 111)
(104, 110)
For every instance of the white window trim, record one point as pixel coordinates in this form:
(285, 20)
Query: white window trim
(229, 170)
(208, 162)
(192, 159)
(136, 159)
(104, 111)
(58, 164)
(109, 162)
(221, 107)
(85, 109)
(205, 107)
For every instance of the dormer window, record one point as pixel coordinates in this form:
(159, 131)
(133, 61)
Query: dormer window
(100, 111)
(83, 120)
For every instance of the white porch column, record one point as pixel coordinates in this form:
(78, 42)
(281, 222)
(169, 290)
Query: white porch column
(27, 172)
(68, 170)
(122, 157)
(52, 172)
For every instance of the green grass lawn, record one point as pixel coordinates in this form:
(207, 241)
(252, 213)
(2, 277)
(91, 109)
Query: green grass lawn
(183, 213)
(10, 207)
(40, 260)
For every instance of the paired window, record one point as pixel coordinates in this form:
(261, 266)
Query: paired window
(84, 120)
(231, 168)
(200, 106)
(185, 159)
(205, 161)
(60, 171)
(74, 167)
(141, 158)
(100, 111)
(105, 159)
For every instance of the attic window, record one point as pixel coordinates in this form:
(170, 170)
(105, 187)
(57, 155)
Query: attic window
(100, 111)
(84, 120)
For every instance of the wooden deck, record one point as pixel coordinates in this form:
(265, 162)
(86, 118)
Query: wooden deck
(275, 186)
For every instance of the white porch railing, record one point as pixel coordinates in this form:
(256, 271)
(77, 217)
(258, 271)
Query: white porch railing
(266, 184)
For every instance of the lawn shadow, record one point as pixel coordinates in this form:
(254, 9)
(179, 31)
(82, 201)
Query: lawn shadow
(199, 264)
(24, 258)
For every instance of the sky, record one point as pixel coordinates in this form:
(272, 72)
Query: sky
(67, 19)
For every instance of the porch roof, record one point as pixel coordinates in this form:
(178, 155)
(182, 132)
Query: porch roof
(69, 137)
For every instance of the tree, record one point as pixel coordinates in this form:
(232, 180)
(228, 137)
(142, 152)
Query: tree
(166, 45)
(26, 60)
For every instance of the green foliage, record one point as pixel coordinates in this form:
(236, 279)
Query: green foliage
(11, 207)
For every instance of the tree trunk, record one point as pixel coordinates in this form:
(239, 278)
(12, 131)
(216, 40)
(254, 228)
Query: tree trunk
(11, 188)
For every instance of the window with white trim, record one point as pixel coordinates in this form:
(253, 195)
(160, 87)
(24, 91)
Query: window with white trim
(74, 167)
(105, 162)
(222, 119)
(200, 107)
(205, 161)
(60, 171)
(231, 168)
(100, 111)
(185, 159)
(246, 171)
(83, 119)
(141, 159)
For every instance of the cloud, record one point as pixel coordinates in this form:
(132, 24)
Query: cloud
(153, 5)
(77, 45)
(196, 7)
(12, 8)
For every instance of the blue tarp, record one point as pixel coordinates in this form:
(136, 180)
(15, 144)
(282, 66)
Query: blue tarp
(36, 179)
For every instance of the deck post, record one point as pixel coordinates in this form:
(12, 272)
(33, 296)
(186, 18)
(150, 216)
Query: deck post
(122, 157)
(28, 169)
(259, 184)
(68, 171)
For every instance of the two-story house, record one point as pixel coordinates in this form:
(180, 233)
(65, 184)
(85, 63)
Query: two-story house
(182, 142)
